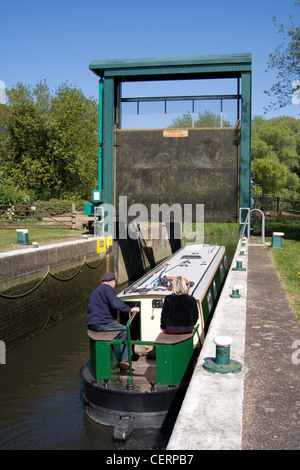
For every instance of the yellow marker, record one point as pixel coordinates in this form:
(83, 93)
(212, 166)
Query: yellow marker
(101, 245)
(109, 241)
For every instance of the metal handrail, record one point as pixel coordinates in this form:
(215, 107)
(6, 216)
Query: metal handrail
(128, 341)
(247, 223)
(196, 330)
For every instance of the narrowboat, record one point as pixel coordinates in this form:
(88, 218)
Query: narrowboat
(150, 393)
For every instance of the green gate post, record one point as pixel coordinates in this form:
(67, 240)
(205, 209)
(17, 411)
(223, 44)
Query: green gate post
(108, 154)
(108, 141)
(100, 137)
(245, 147)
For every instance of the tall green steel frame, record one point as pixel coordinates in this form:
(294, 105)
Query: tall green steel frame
(114, 72)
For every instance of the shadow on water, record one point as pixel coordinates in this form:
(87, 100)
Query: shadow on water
(41, 395)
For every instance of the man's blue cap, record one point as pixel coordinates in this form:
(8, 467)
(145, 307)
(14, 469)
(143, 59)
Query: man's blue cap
(108, 277)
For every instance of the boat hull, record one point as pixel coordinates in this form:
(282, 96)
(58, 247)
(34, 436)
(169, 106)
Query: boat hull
(148, 409)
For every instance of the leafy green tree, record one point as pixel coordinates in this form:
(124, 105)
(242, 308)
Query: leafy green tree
(49, 141)
(205, 119)
(276, 155)
(74, 135)
(271, 173)
(186, 120)
(24, 151)
(286, 60)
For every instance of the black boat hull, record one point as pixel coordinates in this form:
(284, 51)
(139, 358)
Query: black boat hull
(148, 409)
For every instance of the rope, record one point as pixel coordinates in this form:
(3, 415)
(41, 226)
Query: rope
(26, 293)
(69, 278)
(6, 296)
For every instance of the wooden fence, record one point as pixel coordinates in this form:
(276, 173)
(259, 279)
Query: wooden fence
(39, 214)
(271, 203)
(53, 215)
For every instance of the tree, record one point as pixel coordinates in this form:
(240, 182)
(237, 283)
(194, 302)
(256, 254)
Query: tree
(24, 156)
(271, 173)
(286, 59)
(49, 141)
(205, 119)
(276, 155)
(74, 133)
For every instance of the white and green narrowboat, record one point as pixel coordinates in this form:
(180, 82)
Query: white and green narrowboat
(150, 395)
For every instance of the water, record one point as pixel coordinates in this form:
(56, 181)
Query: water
(41, 396)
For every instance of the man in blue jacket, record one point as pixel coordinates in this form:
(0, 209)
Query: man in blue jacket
(103, 309)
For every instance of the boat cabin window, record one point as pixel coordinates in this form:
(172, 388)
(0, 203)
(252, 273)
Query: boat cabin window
(215, 288)
(209, 301)
(222, 271)
(192, 256)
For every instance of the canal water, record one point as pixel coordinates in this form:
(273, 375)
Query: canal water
(41, 395)
(41, 398)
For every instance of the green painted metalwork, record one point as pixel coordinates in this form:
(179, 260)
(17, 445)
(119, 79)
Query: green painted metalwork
(100, 150)
(239, 266)
(276, 240)
(170, 66)
(108, 141)
(113, 72)
(103, 362)
(235, 294)
(130, 378)
(89, 208)
(172, 361)
(245, 145)
(103, 357)
(222, 364)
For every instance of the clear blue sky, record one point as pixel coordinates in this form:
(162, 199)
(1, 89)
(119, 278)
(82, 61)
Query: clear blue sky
(56, 40)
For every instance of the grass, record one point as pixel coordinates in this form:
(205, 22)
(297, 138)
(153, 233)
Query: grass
(221, 229)
(287, 259)
(9, 236)
(287, 263)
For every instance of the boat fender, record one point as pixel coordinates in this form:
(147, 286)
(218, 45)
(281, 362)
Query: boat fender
(123, 429)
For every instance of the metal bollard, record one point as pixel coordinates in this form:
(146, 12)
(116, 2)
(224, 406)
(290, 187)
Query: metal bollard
(239, 266)
(222, 364)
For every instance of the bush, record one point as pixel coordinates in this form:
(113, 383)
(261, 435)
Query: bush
(10, 196)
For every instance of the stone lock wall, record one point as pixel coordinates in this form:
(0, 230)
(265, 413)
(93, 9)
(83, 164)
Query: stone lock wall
(42, 286)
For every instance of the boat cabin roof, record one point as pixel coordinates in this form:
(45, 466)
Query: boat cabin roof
(196, 263)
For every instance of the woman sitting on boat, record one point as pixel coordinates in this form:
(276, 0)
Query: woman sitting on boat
(180, 312)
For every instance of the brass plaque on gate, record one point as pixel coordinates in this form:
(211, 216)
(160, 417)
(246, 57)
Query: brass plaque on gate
(176, 133)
